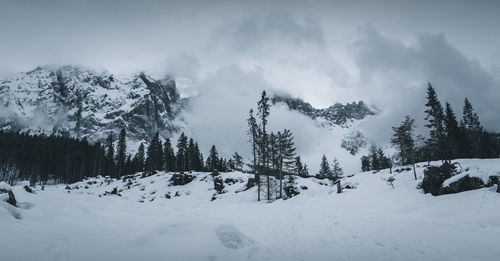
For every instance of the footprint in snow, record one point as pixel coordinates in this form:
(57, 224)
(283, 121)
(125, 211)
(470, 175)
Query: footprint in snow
(231, 237)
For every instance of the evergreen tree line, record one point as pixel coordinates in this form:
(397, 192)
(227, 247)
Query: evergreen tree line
(42, 158)
(448, 138)
(376, 160)
(160, 156)
(273, 153)
(66, 160)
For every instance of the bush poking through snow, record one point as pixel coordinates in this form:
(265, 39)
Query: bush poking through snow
(390, 180)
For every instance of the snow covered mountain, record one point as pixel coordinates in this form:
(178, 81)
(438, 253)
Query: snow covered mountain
(79, 102)
(335, 115)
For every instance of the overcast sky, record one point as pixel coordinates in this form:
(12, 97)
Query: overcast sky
(383, 52)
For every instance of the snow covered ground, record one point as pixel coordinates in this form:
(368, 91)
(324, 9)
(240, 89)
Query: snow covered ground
(371, 222)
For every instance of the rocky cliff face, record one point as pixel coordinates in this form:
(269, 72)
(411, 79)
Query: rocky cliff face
(79, 102)
(335, 115)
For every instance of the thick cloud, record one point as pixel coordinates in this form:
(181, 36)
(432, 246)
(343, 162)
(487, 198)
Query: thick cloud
(394, 76)
(226, 52)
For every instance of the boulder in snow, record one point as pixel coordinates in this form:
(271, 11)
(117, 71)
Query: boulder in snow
(181, 179)
(435, 176)
(468, 181)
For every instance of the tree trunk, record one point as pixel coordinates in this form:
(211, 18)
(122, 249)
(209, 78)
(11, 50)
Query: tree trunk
(414, 171)
(339, 187)
(281, 184)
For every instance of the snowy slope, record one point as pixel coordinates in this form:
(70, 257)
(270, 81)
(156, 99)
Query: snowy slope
(373, 221)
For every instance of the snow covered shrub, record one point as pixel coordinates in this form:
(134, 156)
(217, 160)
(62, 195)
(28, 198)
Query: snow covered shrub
(219, 185)
(291, 191)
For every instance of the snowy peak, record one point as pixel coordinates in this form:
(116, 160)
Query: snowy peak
(79, 102)
(335, 115)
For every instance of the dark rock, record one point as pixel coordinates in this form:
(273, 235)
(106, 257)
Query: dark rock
(250, 184)
(218, 185)
(167, 195)
(492, 181)
(463, 184)
(435, 176)
(304, 187)
(181, 179)
(230, 181)
(402, 169)
(28, 189)
(177, 194)
(291, 191)
(67, 187)
(12, 199)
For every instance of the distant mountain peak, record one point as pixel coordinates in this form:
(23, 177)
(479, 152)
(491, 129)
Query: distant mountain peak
(336, 115)
(81, 102)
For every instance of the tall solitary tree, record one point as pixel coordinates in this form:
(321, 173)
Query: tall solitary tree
(263, 111)
(253, 134)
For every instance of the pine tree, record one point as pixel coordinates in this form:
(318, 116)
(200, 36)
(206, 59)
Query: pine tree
(472, 128)
(263, 112)
(238, 161)
(252, 133)
(139, 158)
(365, 164)
(374, 159)
(121, 152)
(286, 154)
(298, 168)
(452, 133)
(273, 151)
(198, 158)
(181, 153)
(324, 169)
(404, 141)
(305, 171)
(337, 171)
(154, 155)
(190, 155)
(213, 160)
(435, 119)
(168, 153)
(110, 152)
